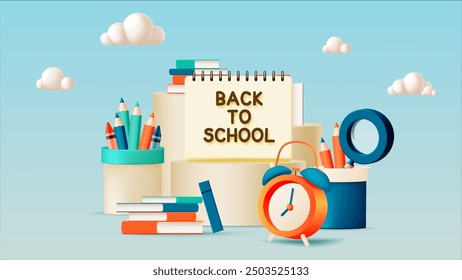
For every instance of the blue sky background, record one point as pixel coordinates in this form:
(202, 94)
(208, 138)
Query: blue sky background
(50, 141)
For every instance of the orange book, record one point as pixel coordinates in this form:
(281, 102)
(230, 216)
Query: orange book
(162, 216)
(178, 79)
(155, 227)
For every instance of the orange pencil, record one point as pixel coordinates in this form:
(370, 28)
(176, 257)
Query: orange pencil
(146, 135)
(326, 156)
(111, 138)
(339, 155)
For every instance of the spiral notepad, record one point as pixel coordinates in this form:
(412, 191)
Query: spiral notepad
(237, 117)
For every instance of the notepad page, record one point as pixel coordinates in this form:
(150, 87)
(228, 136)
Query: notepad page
(237, 120)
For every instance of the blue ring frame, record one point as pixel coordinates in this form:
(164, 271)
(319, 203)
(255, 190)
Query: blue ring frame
(384, 129)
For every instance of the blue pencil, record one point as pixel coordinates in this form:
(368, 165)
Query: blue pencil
(349, 164)
(121, 136)
(156, 136)
(124, 116)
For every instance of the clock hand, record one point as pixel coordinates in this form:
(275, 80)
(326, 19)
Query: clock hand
(289, 206)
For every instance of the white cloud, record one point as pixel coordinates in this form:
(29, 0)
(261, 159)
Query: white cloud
(53, 79)
(335, 45)
(137, 29)
(412, 83)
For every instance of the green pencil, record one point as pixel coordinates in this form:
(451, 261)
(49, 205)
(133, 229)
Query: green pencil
(124, 116)
(135, 128)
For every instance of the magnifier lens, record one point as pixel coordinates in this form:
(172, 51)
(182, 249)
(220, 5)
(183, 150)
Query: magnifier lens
(365, 136)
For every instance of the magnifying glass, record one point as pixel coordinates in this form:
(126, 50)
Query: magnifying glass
(385, 136)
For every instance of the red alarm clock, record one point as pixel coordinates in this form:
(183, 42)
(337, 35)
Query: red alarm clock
(292, 205)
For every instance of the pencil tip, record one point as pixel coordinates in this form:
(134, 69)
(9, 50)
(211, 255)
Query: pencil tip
(122, 100)
(152, 115)
(137, 104)
(336, 124)
(322, 140)
(116, 115)
(109, 128)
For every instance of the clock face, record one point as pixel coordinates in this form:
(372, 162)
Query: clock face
(289, 207)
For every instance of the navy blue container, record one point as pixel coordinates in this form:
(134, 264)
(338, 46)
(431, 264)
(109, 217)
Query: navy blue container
(346, 199)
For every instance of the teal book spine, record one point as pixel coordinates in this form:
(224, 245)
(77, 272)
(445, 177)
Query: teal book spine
(197, 63)
(185, 64)
(190, 199)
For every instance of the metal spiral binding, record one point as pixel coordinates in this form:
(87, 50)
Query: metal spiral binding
(238, 75)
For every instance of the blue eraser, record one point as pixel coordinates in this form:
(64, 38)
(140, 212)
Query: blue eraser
(211, 206)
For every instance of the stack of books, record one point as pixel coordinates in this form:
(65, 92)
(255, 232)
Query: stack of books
(162, 215)
(186, 67)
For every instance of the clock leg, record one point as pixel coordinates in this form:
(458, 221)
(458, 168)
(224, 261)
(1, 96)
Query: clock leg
(271, 237)
(305, 240)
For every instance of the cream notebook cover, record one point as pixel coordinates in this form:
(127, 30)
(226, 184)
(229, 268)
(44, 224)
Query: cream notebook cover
(237, 118)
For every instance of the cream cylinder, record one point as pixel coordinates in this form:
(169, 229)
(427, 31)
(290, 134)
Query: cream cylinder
(311, 133)
(169, 114)
(236, 187)
(129, 175)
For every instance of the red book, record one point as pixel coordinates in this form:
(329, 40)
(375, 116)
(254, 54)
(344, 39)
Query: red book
(154, 227)
(178, 79)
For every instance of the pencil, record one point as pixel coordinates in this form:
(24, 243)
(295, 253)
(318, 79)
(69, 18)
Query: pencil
(339, 155)
(148, 130)
(124, 116)
(155, 143)
(326, 156)
(119, 129)
(350, 164)
(110, 137)
(135, 128)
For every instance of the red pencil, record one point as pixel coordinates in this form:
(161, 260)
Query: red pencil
(326, 156)
(146, 135)
(339, 155)
(111, 138)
